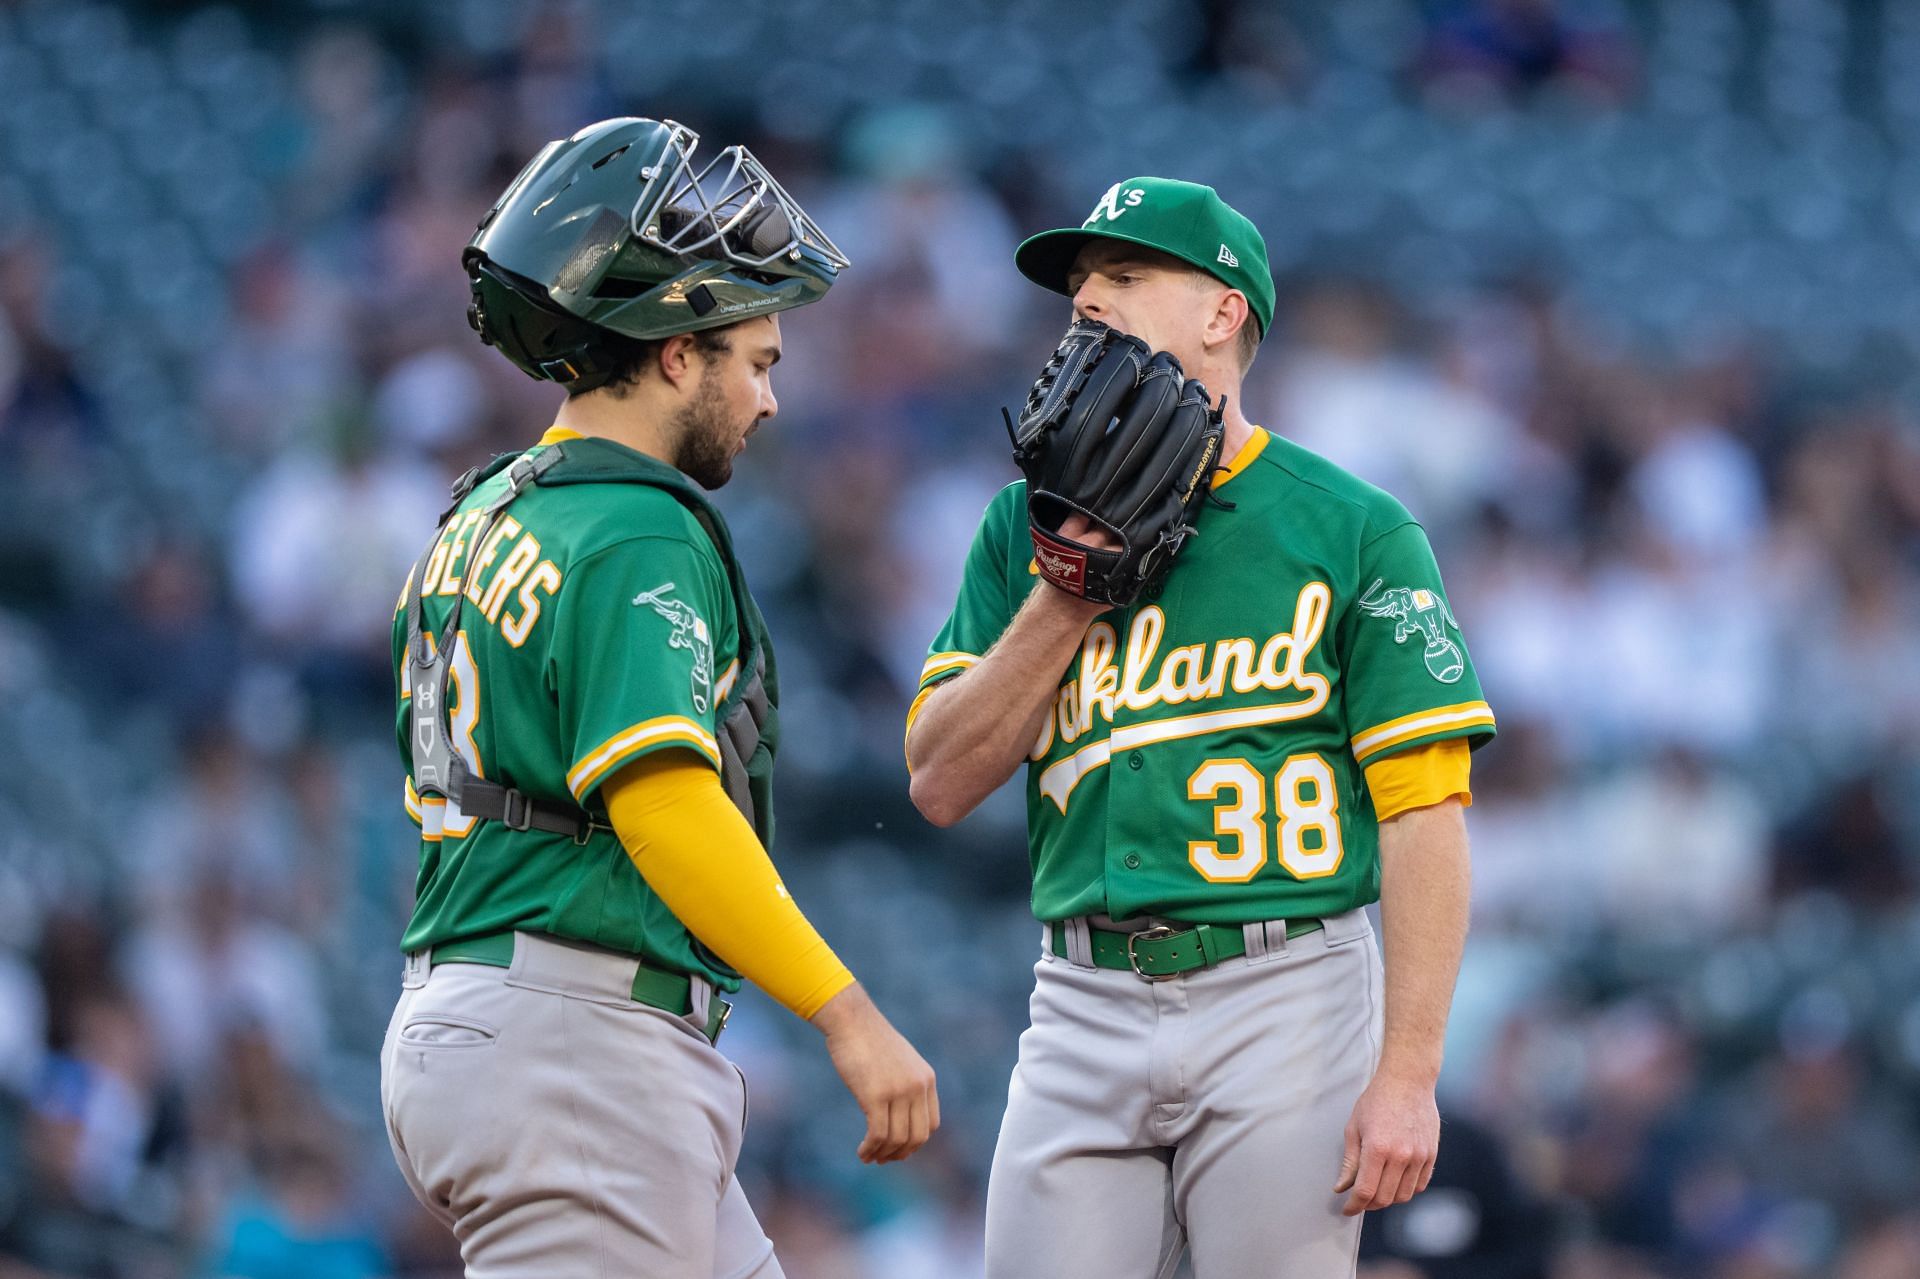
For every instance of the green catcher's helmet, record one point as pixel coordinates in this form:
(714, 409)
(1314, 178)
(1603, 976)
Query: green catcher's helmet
(614, 231)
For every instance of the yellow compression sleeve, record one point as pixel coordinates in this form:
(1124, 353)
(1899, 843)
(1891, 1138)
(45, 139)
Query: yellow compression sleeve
(698, 853)
(1420, 777)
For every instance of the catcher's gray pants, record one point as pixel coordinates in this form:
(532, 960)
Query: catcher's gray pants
(564, 1131)
(1207, 1113)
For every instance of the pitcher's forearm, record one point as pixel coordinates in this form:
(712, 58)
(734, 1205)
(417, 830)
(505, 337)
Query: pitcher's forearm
(973, 731)
(1425, 882)
(965, 743)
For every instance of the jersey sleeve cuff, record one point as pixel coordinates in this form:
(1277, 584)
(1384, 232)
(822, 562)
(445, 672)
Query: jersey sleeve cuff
(1473, 720)
(631, 743)
(940, 668)
(944, 666)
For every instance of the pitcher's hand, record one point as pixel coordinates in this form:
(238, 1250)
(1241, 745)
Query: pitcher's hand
(893, 1083)
(1393, 1139)
(1079, 528)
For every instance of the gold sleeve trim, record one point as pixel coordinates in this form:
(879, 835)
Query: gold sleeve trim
(1406, 728)
(628, 742)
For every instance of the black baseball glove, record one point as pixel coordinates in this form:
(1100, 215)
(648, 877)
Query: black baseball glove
(1115, 433)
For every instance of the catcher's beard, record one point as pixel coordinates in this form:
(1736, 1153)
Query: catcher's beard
(707, 438)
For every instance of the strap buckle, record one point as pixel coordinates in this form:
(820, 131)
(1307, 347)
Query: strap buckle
(1157, 933)
(516, 810)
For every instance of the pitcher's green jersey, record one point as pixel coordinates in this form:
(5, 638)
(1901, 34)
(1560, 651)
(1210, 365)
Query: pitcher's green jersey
(599, 627)
(1204, 758)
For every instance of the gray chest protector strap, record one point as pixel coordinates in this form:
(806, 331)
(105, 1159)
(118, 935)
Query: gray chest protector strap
(438, 770)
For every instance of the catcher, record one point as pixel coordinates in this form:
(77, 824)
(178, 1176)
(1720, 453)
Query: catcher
(587, 716)
(1231, 748)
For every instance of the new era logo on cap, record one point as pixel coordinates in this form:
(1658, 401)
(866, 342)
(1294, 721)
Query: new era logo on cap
(1226, 256)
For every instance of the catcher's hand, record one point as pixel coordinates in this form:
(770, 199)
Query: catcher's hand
(1116, 434)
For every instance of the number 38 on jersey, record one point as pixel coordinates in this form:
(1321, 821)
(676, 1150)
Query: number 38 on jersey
(1305, 819)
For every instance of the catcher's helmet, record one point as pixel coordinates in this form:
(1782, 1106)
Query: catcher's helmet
(613, 231)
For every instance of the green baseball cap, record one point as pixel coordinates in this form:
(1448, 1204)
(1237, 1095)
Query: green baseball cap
(1184, 219)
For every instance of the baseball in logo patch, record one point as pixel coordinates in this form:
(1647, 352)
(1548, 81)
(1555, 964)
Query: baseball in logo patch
(689, 632)
(1418, 611)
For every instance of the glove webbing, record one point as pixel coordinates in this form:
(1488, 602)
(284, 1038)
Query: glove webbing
(438, 769)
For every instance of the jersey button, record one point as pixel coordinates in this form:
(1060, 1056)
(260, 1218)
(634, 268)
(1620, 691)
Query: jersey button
(1132, 861)
(1134, 762)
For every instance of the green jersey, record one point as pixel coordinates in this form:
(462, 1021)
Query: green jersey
(1204, 756)
(602, 623)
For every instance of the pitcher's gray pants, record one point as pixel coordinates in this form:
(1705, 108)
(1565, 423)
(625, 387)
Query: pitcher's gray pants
(564, 1131)
(1207, 1113)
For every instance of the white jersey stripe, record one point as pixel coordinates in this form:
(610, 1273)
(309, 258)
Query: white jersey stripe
(1059, 779)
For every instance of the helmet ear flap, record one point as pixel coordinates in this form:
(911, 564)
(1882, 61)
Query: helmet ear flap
(543, 341)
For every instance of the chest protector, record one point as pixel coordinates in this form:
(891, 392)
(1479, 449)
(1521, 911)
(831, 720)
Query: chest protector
(747, 719)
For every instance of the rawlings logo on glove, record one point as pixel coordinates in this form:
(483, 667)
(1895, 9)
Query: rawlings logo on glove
(1063, 565)
(1116, 434)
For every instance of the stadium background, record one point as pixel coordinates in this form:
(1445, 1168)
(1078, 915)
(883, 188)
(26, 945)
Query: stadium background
(1619, 297)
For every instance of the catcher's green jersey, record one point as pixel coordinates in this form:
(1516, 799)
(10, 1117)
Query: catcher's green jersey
(599, 626)
(1204, 756)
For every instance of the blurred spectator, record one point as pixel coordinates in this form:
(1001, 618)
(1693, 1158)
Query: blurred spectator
(321, 544)
(224, 822)
(1680, 849)
(213, 969)
(1343, 387)
(171, 651)
(103, 1195)
(933, 248)
(23, 1026)
(298, 1224)
(1888, 1250)
(280, 375)
(1518, 47)
(1472, 1222)
(47, 414)
(1632, 1135)
(1811, 1129)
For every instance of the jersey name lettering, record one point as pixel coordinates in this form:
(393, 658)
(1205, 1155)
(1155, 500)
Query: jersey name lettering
(521, 574)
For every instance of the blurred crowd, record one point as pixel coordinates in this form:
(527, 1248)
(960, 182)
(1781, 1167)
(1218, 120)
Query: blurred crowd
(1680, 524)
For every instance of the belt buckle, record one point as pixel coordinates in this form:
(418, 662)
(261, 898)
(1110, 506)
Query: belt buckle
(726, 1012)
(1133, 958)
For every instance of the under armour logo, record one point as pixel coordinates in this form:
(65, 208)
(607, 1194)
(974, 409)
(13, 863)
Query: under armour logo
(1226, 256)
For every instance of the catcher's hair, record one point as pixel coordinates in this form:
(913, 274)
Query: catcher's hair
(632, 357)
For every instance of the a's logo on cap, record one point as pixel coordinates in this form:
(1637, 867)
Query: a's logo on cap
(1118, 199)
(1226, 256)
